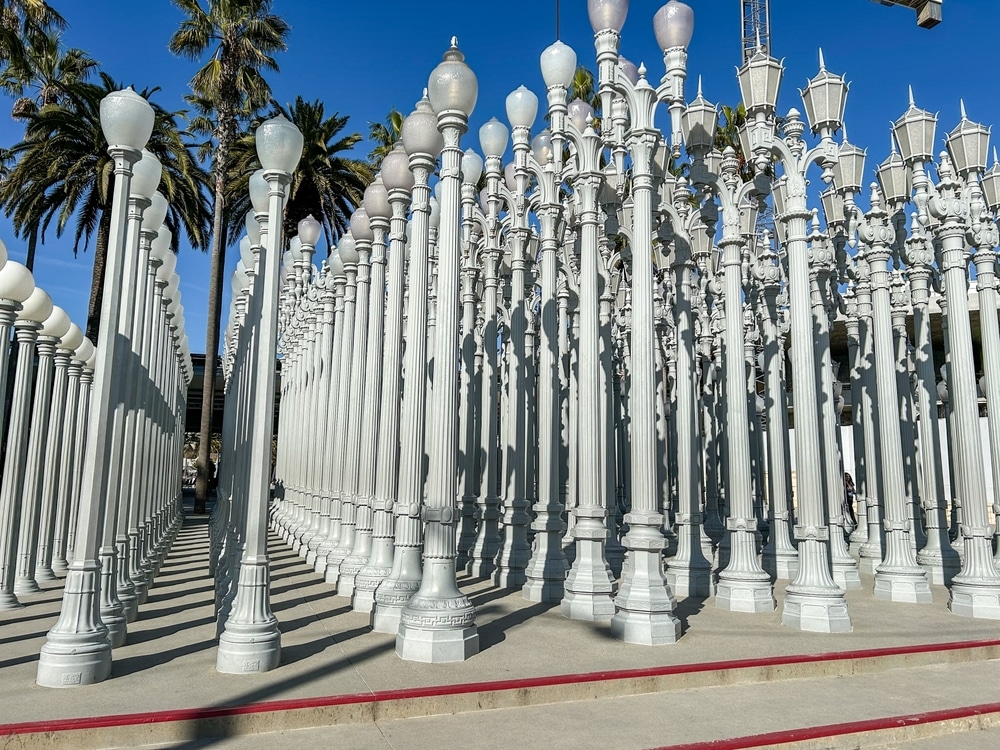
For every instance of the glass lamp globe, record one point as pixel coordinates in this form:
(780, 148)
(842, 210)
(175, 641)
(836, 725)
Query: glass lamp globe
(279, 144)
(435, 217)
(472, 167)
(72, 339)
(164, 272)
(309, 230)
(37, 307)
(159, 248)
(336, 267)
(510, 176)
(396, 174)
(16, 282)
(84, 351)
(259, 190)
(295, 248)
(541, 147)
(347, 250)
(493, 137)
(246, 254)
(361, 226)
(629, 69)
(57, 324)
(673, 25)
(452, 85)
(558, 63)
(580, 114)
(3, 253)
(376, 200)
(146, 174)
(155, 212)
(253, 228)
(522, 107)
(607, 14)
(126, 119)
(420, 134)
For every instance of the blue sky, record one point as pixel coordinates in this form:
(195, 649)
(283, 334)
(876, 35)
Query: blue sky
(362, 58)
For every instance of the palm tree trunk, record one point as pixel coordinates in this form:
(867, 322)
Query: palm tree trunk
(29, 259)
(97, 280)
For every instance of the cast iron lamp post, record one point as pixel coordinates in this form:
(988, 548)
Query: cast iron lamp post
(77, 650)
(438, 622)
(251, 641)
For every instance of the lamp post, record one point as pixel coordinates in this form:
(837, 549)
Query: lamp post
(42, 439)
(36, 307)
(813, 601)
(438, 622)
(77, 650)
(251, 641)
(423, 142)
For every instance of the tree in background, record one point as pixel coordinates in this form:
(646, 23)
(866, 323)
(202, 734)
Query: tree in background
(239, 39)
(327, 184)
(384, 135)
(62, 173)
(21, 21)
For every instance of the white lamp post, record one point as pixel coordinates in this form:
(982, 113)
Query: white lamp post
(438, 622)
(251, 641)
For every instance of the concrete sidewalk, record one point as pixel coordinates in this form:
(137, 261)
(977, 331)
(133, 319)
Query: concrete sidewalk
(168, 663)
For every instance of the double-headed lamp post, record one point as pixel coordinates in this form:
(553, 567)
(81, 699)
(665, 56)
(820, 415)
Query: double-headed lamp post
(438, 622)
(251, 641)
(77, 650)
(813, 601)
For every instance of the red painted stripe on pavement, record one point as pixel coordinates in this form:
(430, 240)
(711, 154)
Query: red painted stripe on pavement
(835, 730)
(193, 714)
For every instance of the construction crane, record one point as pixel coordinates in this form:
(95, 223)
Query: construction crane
(928, 11)
(756, 27)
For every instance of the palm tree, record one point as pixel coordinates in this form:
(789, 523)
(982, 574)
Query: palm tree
(583, 86)
(384, 135)
(62, 173)
(42, 74)
(327, 183)
(239, 39)
(20, 22)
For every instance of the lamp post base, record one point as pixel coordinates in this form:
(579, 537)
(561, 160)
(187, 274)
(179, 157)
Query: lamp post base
(9, 602)
(690, 580)
(745, 594)
(845, 575)
(645, 628)
(245, 649)
(970, 600)
(589, 606)
(816, 613)
(906, 587)
(781, 567)
(543, 590)
(436, 646)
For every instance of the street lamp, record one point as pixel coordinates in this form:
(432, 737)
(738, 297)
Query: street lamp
(251, 641)
(77, 650)
(438, 622)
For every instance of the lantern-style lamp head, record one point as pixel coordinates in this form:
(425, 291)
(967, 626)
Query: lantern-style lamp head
(699, 123)
(396, 174)
(825, 97)
(673, 25)
(914, 133)
(607, 15)
(991, 185)
(472, 167)
(452, 86)
(259, 190)
(309, 230)
(376, 201)
(760, 80)
(849, 170)
(522, 107)
(493, 138)
(16, 282)
(126, 120)
(146, 174)
(420, 134)
(969, 145)
(279, 144)
(37, 307)
(894, 179)
(833, 205)
(558, 63)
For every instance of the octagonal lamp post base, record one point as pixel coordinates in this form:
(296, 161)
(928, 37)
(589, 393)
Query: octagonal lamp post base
(816, 613)
(436, 646)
